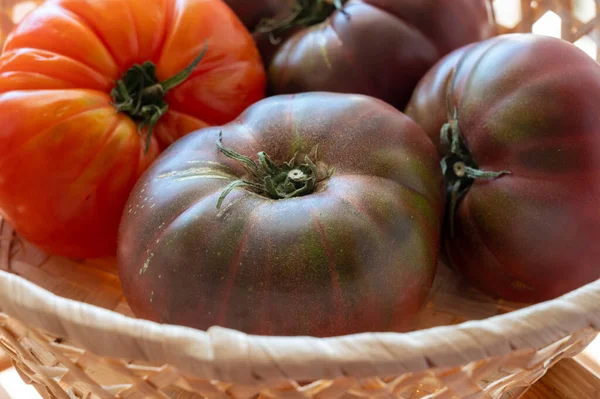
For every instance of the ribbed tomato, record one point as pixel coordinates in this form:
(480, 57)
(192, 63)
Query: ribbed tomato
(78, 79)
(334, 230)
(520, 122)
(379, 48)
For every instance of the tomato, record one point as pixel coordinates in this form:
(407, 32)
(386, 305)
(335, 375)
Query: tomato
(379, 48)
(336, 232)
(257, 12)
(78, 79)
(522, 156)
(253, 12)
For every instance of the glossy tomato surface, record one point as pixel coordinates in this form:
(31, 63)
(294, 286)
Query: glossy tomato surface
(357, 253)
(379, 48)
(68, 159)
(528, 105)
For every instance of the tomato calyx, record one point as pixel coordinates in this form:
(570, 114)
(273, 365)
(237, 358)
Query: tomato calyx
(459, 168)
(276, 182)
(140, 95)
(304, 13)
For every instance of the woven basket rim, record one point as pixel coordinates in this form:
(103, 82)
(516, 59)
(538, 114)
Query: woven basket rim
(228, 355)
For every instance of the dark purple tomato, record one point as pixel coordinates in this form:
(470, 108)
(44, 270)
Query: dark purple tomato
(317, 214)
(251, 12)
(379, 48)
(517, 121)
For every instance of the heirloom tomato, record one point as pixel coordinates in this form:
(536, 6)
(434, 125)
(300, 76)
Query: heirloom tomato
(91, 91)
(517, 121)
(333, 228)
(253, 12)
(379, 48)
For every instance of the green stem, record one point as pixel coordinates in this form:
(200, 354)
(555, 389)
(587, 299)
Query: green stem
(140, 95)
(304, 13)
(182, 76)
(267, 178)
(459, 168)
(473, 173)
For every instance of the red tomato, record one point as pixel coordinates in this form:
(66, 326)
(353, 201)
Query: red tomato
(342, 239)
(521, 127)
(68, 159)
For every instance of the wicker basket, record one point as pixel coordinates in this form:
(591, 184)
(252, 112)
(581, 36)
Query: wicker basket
(66, 326)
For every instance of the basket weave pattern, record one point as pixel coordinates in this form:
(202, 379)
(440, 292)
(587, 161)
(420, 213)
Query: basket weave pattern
(68, 349)
(62, 371)
(578, 18)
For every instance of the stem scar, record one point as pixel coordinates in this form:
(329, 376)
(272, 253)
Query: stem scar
(271, 180)
(459, 168)
(140, 95)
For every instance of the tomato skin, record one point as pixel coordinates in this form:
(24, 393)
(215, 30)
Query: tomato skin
(357, 254)
(252, 12)
(68, 160)
(381, 48)
(527, 104)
